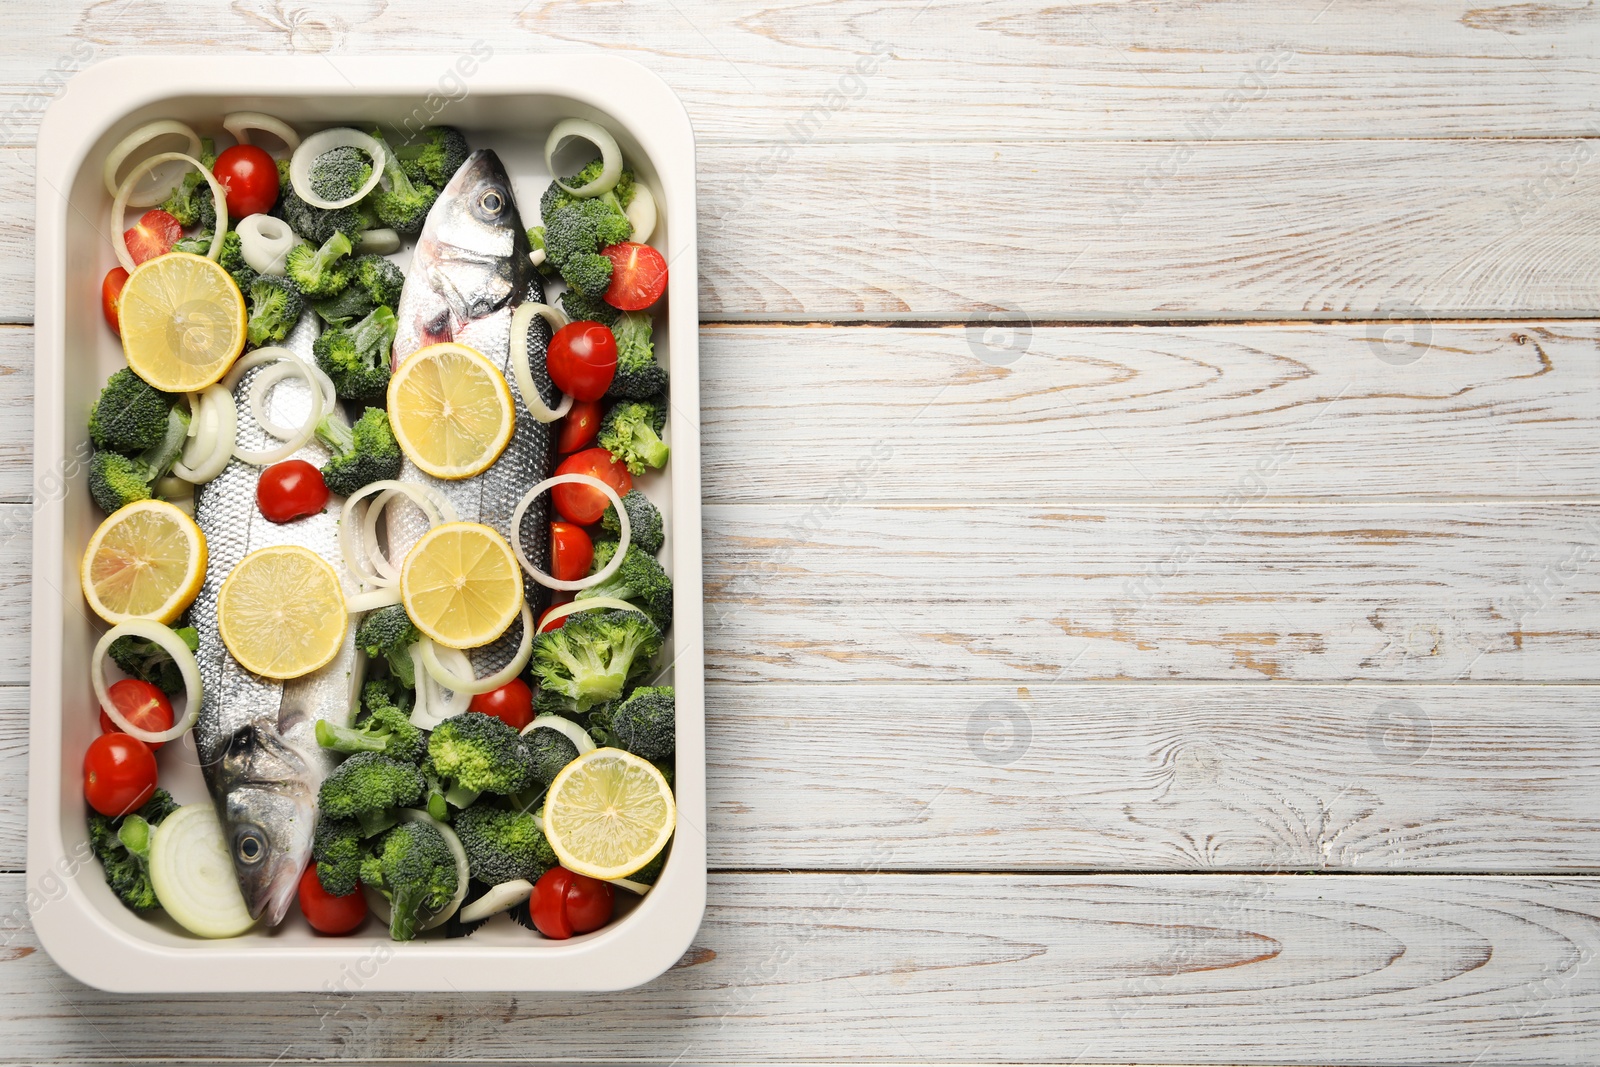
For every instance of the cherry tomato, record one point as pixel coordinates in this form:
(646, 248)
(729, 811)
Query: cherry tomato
(571, 551)
(585, 504)
(563, 903)
(512, 703)
(543, 626)
(119, 774)
(580, 426)
(250, 177)
(141, 704)
(638, 276)
(291, 490)
(583, 359)
(111, 298)
(327, 913)
(153, 235)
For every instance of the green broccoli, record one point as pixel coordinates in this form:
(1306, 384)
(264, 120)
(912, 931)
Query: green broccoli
(313, 223)
(645, 723)
(389, 633)
(401, 203)
(618, 198)
(357, 357)
(551, 751)
(629, 432)
(638, 375)
(549, 702)
(122, 845)
(149, 662)
(198, 245)
(645, 527)
(573, 237)
(351, 304)
(339, 173)
(385, 728)
(318, 272)
(231, 259)
(503, 845)
(580, 308)
(593, 655)
(362, 454)
(473, 753)
(191, 203)
(639, 580)
(275, 306)
(131, 414)
(116, 480)
(415, 869)
(536, 244)
(380, 278)
(336, 846)
(588, 273)
(368, 786)
(435, 156)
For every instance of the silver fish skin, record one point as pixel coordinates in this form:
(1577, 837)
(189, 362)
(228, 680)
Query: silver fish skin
(256, 736)
(469, 273)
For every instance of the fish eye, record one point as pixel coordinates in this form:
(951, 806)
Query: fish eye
(492, 202)
(249, 846)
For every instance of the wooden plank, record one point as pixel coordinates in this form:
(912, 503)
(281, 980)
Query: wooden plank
(1120, 969)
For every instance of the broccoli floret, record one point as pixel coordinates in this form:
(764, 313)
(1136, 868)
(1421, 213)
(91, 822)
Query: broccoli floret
(591, 658)
(319, 272)
(473, 753)
(352, 304)
(588, 273)
(551, 750)
(116, 480)
(191, 202)
(149, 662)
(638, 375)
(620, 196)
(198, 245)
(385, 728)
(336, 845)
(314, 223)
(401, 203)
(357, 357)
(275, 306)
(644, 724)
(122, 845)
(573, 237)
(415, 870)
(639, 580)
(362, 454)
(389, 633)
(580, 308)
(629, 432)
(435, 156)
(231, 259)
(549, 702)
(131, 414)
(503, 845)
(339, 173)
(645, 527)
(380, 278)
(536, 244)
(367, 786)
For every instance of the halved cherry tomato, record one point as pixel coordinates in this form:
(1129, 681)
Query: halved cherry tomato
(250, 177)
(571, 551)
(638, 275)
(141, 704)
(563, 903)
(556, 601)
(580, 426)
(327, 913)
(291, 490)
(512, 703)
(119, 774)
(583, 359)
(111, 298)
(585, 504)
(153, 235)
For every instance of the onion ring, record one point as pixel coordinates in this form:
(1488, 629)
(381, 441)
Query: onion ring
(641, 211)
(240, 123)
(565, 727)
(520, 321)
(216, 414)
(264, 243)
(379, 242)
(431, 507)
(595, 134)
(307, 431)
(577, 583)
(119, 240)
(170, 643)
(326, 141)
(473, 686)
(636, 888)
(599, 603)
(384, 597)
(138, 139)
(497, 899)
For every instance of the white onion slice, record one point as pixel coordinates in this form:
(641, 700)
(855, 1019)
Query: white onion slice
(565, 727)
(259, 388)
(348, 528)
(369, 536)
(264, 243)
(219, 417)
(637, 888)
(457, 683)
(240, 123)
(173, 645)
(380, 242)
(380, 904)
(520, 320)
(536, 257)
(423, 715)
(119, 242)
(578, 583)
(499, 898)
(595, 134)
(192, 873)
(571, 607)
(306, 431)
(326, 141)
(138, 139)
(385, 597)
(641, 211)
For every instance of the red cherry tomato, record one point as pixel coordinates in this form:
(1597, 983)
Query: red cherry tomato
(153, 235)
(512, 703)
(585, 504)
(571, 551)
(580, 426)
(327, 913)
(291, 490)
(583, 359)
(556, 601)
(111, 298)
(141, 704)
(250, 177)
(119, 774)
(638, 276)
(563, 903)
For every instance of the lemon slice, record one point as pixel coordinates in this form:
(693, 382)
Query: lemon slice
(608, 813)
(451, 410)
(146, 561)
(282, 612)
(461, 585)
(182, 321)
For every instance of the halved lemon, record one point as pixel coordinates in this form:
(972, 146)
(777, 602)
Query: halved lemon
(182, 320)
(146, 561)
(461, 584)
(608, 813)
(282, 612)
(451, 410)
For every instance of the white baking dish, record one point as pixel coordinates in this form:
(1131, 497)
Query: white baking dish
(501, 102)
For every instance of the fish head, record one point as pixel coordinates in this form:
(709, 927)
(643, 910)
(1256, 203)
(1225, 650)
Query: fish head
(267, 804)
(473, 249)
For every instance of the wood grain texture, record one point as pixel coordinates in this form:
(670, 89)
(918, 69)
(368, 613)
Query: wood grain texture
(1118, 969)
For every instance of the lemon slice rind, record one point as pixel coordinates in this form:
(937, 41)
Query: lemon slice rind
(608, 813)
(145, 561)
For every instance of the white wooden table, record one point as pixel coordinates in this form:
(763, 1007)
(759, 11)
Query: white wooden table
(1152, 456)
